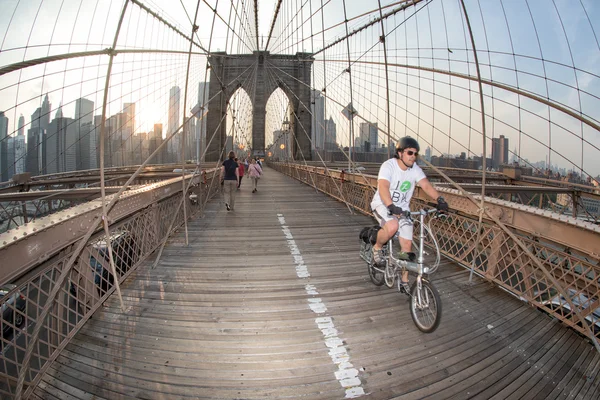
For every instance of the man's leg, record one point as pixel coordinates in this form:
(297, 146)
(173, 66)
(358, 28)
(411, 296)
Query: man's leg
(383, 235)
(227, 192)
(405, 247)
(386, 233)
(232, 189)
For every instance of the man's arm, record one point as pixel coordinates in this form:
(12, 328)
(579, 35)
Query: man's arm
(383, 185)
(434, 194)
(222, 172)
(428, 188)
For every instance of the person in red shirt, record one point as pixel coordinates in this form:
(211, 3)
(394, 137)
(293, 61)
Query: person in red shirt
(240, 172)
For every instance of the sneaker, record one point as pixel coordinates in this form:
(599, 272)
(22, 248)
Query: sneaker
(378, 256)
(404, 287)
(407, 256)
(227, 207)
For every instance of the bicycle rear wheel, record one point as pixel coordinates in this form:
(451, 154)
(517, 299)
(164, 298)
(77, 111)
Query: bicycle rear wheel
(425, 306)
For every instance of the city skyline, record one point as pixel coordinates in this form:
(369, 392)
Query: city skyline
(537, 70)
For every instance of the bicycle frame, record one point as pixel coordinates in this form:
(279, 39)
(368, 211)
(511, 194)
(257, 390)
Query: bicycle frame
(425, 301)
(394, 266)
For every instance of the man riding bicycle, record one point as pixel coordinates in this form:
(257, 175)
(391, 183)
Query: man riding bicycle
(396, 183)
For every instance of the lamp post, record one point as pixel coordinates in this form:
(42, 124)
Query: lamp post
(285, 127)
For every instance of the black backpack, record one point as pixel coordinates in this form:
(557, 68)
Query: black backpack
(369, 234)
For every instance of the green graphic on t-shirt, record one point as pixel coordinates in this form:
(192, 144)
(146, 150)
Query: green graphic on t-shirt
(405, 187)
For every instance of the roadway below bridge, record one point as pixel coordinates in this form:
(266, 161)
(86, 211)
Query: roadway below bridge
(272, 300)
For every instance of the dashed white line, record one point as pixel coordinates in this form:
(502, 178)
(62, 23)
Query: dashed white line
(346, 374)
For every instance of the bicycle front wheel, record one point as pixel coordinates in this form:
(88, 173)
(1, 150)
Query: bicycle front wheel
(425, 306)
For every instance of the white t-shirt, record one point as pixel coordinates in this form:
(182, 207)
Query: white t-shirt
(402, 183)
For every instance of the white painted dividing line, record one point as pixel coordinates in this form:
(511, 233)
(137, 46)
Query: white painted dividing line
(346, 374)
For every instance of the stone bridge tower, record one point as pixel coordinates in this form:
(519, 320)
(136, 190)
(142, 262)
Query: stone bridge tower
(259, 74)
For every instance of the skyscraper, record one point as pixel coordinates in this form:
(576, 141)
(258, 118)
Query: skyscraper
(36, 155)
(200, 138)
(499, 151)
(61, 140)
(318, 120)
(174, 97)
(368, 134)
(21, 129)
(84, 110)
(129, 111)
(20, 150)
(330, 135)
(44, 117)
(95, 142)
(155, 139)
(3, 147)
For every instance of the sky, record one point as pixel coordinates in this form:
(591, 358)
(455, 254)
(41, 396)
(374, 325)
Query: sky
(531, 45)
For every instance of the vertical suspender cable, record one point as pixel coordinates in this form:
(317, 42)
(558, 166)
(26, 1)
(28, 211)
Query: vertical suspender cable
(351, 108)
(186, 124)
(387, 81)
(483, 175)
(40, 321)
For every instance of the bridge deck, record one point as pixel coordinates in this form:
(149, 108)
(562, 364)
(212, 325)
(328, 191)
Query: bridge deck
(230, 317)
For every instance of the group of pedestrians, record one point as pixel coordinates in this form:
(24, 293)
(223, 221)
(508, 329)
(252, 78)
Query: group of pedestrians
(232, 172)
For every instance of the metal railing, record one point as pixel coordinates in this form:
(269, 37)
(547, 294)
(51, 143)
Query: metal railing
(134, 237)
(568, 282)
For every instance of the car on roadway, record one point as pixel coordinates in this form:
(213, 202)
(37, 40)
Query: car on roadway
(13, 309)
(125, 251)
(560, 306)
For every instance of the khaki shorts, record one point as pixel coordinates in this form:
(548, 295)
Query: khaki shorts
(405, 229)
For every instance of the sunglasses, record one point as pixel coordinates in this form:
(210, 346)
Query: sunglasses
(410, 153)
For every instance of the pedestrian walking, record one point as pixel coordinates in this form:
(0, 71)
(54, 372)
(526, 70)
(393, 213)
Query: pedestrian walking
(255, 172)
(241, 171)
(229, 178)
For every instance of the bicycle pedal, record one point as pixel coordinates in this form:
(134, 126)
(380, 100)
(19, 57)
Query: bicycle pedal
(404, 288)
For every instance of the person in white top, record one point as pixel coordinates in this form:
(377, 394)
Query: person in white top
(396, 183)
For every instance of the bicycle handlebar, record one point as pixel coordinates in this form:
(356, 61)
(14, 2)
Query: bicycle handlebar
(408, 213)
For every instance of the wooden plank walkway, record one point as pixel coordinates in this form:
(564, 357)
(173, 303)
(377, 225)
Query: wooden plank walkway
(272, 301)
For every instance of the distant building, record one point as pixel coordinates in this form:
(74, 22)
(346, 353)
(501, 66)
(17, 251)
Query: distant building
(174, 114)
(499, 151)
(20, 147)
(20, 153)
(3, 147)
(369, 136)
(154, 141)
(10, 156)
(21, 128)
(428, 154)
(36, 154)
(281, 138)
(330, 135)
(451, 162)
(200, 136)
(61, 144)
(84, 114)
(129, 111)
(318, 120)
